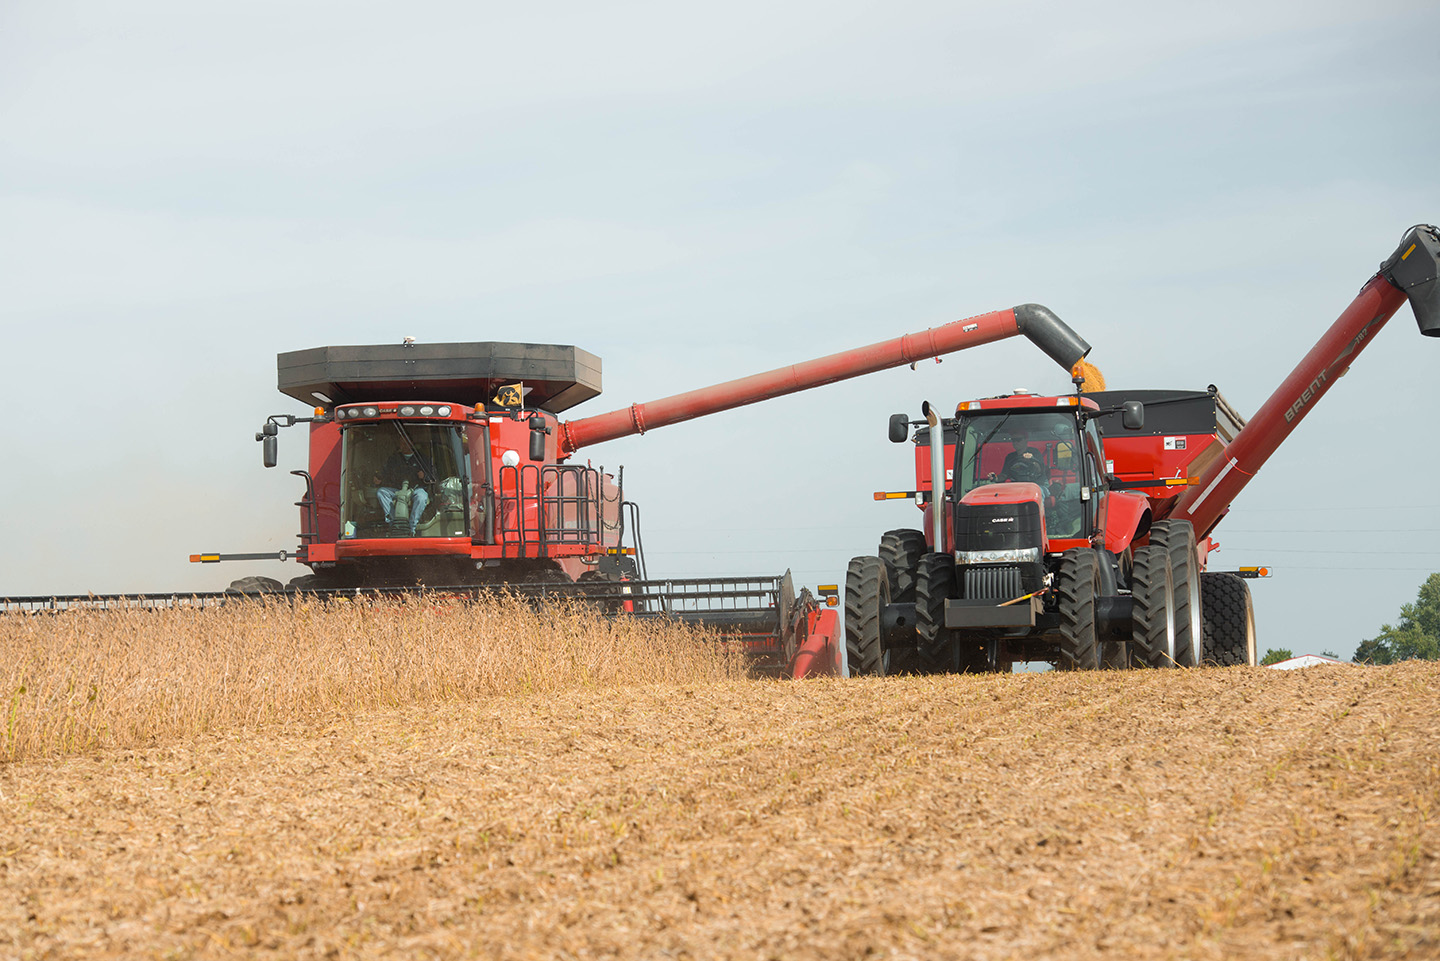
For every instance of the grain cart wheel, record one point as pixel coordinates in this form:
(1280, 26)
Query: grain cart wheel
(254, 585)
(1077, 582)
(1152, 596)
(867, 592)
(901, 551)
(1229, 620)
(1178, 538)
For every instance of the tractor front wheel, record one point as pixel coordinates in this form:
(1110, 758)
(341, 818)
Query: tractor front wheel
(1077, 582)
(867, 593)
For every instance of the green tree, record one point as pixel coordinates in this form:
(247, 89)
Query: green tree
(1275, 655)
(1416, 637)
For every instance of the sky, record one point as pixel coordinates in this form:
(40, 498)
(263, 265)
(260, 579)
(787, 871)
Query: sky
(696, 193)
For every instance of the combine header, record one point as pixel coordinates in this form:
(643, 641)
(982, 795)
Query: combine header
(447, 466)
(1078, 529)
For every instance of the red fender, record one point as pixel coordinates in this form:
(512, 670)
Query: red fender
(1127, 517)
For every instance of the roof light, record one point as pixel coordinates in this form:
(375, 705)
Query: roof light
(407, 411)
(443, 411)
(319, 412)
(427, 410)
(371, 412)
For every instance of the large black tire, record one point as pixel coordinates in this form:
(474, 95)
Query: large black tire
(601, 590)
(1152, 597)
(1177, 538)
(867, 592)
(935, 583)
(255, 585)
(1077, 582)
(901, 551)
(1229, 622)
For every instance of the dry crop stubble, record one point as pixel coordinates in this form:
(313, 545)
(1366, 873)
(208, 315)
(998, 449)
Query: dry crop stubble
(1236, 813)
(79, 680)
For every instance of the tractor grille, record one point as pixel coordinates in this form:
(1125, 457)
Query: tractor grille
(999, 583)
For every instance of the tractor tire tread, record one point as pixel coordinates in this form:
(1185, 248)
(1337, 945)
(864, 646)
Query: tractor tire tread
(1152, 597)
(867, 590)
(901, 551)
(1076, 583)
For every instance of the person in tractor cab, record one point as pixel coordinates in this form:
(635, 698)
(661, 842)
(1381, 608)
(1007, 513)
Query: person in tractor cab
(403, 468)
(1024, 464)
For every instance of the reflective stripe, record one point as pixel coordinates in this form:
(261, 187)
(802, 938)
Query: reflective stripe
(1213, 484)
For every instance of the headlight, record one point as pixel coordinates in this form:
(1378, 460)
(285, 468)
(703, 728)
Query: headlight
(510, 458)
(1017, 555)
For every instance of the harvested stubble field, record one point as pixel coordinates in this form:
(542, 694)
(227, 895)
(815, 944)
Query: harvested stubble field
(476, 782)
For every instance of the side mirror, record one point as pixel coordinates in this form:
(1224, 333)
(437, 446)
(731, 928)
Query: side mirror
(271, 445)
(1133, 415)
(899, 428)
(537, 444)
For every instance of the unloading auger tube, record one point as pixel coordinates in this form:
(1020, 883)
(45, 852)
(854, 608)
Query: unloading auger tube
(1409, 273)
(1039, 324)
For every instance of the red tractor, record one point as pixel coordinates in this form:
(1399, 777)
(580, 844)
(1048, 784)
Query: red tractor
(1077, 529)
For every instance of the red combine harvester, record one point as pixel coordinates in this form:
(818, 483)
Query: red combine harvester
(447, 465)
(1077, 529)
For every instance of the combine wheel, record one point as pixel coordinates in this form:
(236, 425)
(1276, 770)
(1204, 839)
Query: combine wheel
(1229, 620)
(1077, 582)
(255, 585)
(600, 590)
(1152, 596)
(901, 551)
(867, 592)
(1177, 538)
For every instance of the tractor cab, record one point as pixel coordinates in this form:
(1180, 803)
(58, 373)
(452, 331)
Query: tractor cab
(1021, 439)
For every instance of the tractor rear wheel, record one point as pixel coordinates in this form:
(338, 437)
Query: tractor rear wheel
(255, 585)
(1229, 620)
(1152, 596)
(1178, 539)
(867, 593)
(1077, 582)
(901, 551)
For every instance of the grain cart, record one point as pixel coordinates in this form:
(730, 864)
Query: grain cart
(447, 465)
(1077, 529)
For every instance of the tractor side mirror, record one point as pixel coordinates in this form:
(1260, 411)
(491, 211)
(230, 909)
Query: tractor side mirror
(537, 444)
(899, 428)
(1132, 414)
(270, 444)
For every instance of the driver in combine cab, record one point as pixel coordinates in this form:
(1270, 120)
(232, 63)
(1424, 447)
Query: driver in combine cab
(402, 466)
(1024, 464)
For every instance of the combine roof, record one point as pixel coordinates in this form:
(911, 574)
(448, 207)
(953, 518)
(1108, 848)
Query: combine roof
(557, 376)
